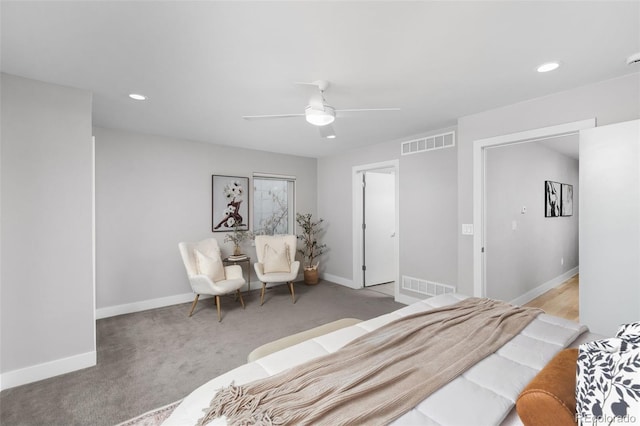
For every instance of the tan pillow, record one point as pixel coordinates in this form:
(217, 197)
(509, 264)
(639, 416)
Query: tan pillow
(276, 258)
(209, 266)
(550, 398)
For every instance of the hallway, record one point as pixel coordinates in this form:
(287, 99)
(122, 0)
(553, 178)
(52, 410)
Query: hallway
(561, 301)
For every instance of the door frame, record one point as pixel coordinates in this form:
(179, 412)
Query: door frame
(356, 196)
(479, 193)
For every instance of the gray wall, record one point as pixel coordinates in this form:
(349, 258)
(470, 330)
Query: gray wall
(46, 255)
(335, 204)
(610, 226)
(523, 259)
(428, 223)
(153, 192)
(609, 101)
(427, 196)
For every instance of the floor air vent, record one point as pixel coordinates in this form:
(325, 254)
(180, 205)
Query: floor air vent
(443, 140)
(428, 288)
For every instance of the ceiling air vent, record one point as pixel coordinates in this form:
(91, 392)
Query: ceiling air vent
(430, 143)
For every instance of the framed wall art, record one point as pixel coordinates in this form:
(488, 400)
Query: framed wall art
(566, 200)
(229, 203)
(551, 199)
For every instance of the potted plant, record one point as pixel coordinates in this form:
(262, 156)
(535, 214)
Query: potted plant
(311, 249)
(237, 237)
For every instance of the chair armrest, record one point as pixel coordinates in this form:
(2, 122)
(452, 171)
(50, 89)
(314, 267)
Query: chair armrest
(201, 284)
(259, 268)
(233, 272)
(295, 267)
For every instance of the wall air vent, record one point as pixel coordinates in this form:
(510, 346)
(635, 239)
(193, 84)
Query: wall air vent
(430, 143)
(428, 288)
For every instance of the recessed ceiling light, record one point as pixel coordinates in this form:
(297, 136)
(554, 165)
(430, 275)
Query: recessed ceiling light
(137, 97)
(633, 59)
(549, 66)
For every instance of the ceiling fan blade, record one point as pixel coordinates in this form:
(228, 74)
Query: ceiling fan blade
(327, 131)
(260, 117)
(367, 109)
(321, 85)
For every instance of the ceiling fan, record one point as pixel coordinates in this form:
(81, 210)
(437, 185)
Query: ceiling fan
(319, 112)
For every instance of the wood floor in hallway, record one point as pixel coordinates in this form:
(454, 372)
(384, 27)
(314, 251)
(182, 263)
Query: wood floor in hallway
(561, 301)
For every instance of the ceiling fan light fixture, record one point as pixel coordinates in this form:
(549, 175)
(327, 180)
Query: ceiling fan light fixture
(318, 117)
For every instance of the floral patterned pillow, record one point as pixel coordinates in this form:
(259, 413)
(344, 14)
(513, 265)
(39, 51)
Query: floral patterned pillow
(608, 379)
(630, 332)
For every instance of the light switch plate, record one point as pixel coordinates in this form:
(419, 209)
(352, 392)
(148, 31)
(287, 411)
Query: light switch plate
(467, 229)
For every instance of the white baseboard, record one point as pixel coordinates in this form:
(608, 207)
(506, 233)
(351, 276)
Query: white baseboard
(143, 305)
(400, 298)
(339, 280)
(541, 289)
(46, 370)
(161, 302)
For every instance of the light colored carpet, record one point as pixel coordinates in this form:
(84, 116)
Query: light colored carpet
(153, 417)
(153, 358)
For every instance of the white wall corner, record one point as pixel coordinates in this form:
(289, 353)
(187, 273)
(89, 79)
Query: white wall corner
(339, 280)
(543, 288)
(46, 370)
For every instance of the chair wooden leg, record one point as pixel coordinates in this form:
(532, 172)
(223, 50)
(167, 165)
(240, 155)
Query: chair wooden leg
(240, 297)
(193, 305)
(218, 305)
(264, 285)
(293, 293)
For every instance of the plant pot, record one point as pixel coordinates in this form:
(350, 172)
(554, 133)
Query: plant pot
(311, 276)
(236, 251)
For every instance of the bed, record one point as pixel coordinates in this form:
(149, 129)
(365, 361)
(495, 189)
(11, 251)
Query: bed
(487, 391)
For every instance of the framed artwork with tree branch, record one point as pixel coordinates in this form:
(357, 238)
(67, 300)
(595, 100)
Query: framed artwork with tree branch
(229, 203)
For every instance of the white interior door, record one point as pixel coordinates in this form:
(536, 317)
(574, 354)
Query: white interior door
(379, 227)
(610, 226)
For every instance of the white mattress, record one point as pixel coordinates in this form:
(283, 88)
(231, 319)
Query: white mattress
(484, 395)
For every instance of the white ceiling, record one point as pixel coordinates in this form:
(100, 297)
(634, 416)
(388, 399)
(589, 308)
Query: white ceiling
(205, 64)
(568, 145)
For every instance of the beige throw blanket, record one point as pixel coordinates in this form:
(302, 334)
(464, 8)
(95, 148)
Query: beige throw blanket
(379, 376)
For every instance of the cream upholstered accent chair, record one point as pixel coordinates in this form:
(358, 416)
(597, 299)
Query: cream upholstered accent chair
(276, 261)
(207, 274)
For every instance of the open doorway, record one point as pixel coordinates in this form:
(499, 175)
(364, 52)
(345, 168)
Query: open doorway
(481, 248)
(378, 226)
(527, 250)
(375, 224)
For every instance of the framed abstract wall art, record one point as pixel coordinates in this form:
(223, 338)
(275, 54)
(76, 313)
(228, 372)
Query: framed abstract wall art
(551, 198)
(566, 200)
(229, 203)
